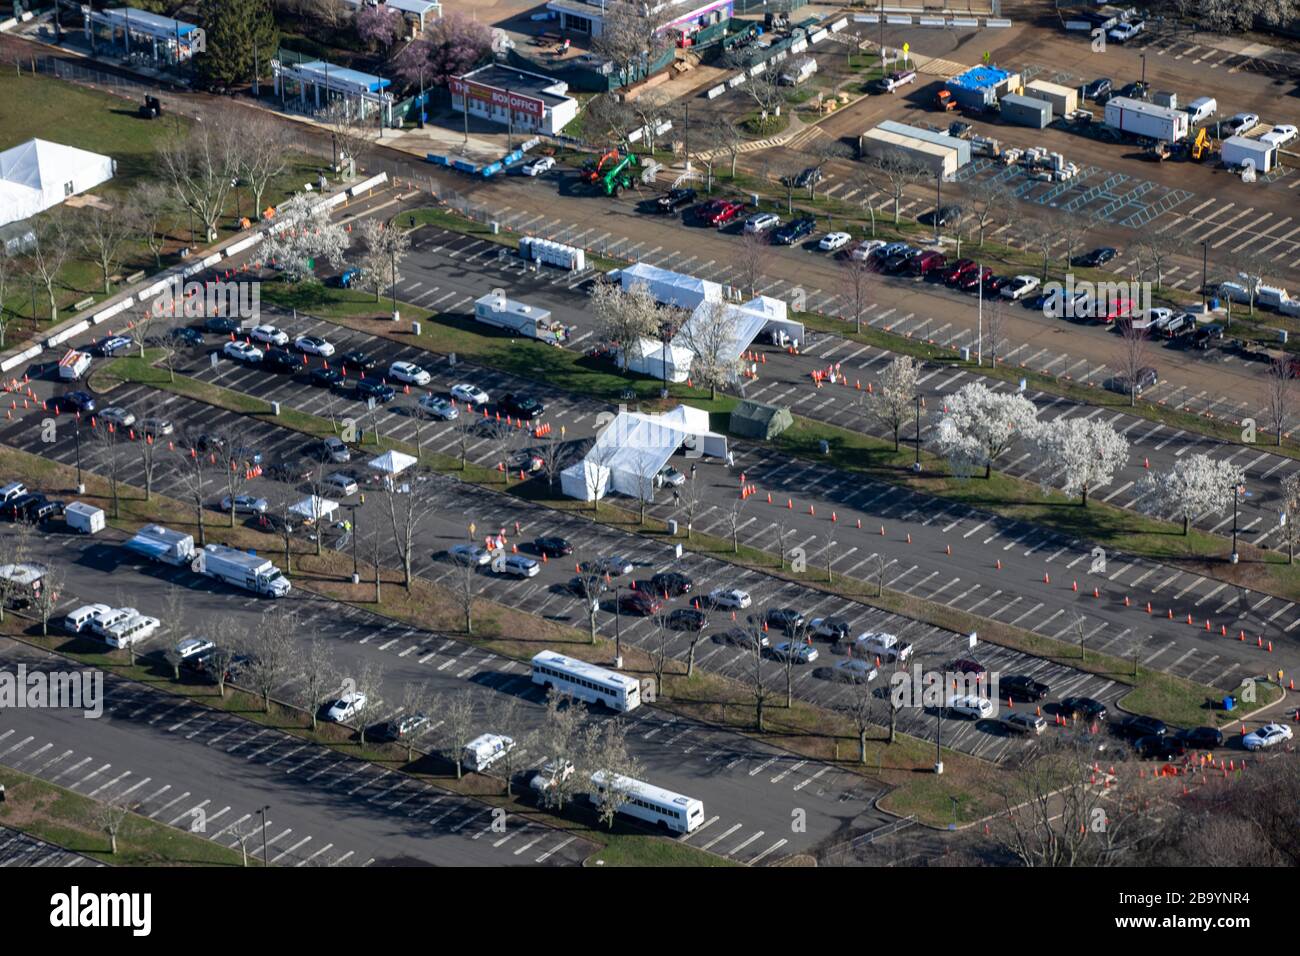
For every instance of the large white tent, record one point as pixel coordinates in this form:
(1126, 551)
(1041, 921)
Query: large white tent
(38, 174)
(633, 448)
(670, 288)
(745, 322)
(670, 363)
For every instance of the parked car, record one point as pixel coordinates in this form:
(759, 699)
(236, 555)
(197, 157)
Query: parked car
(1098, 90)
(1021, 722)
(672, 583)
(157, 426)
(1126, 31)
(797, 651)
(587, 587)
(342, 484)
(118, 416)
(221, 326)
(927, 263)
(242, 352)
(1159, 747)
(364, 389)
(335, 449)
(245, 504)
(969, 705)
(1270, 735)
(668, 475)
(1084, 707)
(946, 215)
(470, 394)
(675, 199)
(552, 547)
(313, 345)
(325, 377)
(1202, 738)
(810, 176)
(269, 335)
(831, 628)
(1280, 135)
(966, 666)
(899, 78)
(78, 401)
(959, 270)
(1207, 335)
(854, 670)
(688, 619)
(186, 337)
(470, 554)
(613, 565)
(409, 373)
(402, 727)
(521, 406)
(866, 250)
(794, 230)
(723, 211)
(358, 361)
(785, 619)
(280, 360)
(900, 261)
(111, 345)
(761, 222)
(291, 471)
(1097, 257)
(1241, 123)
(730, 597)
(639, 603)
(1017, 288)
(519, 566)
(974, 279)
(1020, 687)
(542, 164)
(438, 407)
(347, 706)
(833, 241)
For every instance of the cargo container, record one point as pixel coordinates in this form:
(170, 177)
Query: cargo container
(1166, 99)
(242, 569)
(962, 146)
(876, 143)
(160, 544)
(1236, 150)
(521, 319)
(1064, 100)
(1025, 111)
(1146, 119)
(83, 518)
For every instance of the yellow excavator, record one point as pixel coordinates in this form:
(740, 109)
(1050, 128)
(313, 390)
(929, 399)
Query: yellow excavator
(1202, 145)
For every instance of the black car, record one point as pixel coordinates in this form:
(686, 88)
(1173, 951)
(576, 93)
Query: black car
(588, 587)
(1135, 725)
(786, 619)
(675, 199)
(993, 284)
(1133, 91)
(220, 326)
(897, 263)
(794, 230)
(1082, 707)
(637, 602)
(186, 336)
(1098, 90)
(1023, 688)
(111, 345)
(1096, 258)
(1207, 335)
(364, 389)
(832, 628)
(78, 401)
(401, 727)
(688, 619)
(1202, 738)
(552, 547)
(325, 377)
(43, 509)
(671, 583)
(32, 506)
(945, 216)
(279, 360)
(1159, 747)
(521, 406)
(357, 359)
(809, 177)
(292, 471)
(210, 442)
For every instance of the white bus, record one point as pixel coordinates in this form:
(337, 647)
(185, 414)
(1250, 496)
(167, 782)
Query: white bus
(653, 804)
(586, 681)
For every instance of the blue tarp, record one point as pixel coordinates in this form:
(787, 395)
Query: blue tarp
(979, 78)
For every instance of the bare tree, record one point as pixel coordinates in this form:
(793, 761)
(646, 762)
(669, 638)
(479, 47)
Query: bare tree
(349, 132)
(193, 471)
(587, 586)
(407, 512)
(102, 234)
(782, 534)
(1132, 358)
(753, 260)
(795, 636)
(1278, 395)
(894, 172)
(766, 92)
(734, 523)
(8, 276)
(1157, 248)
(881, 564)
(705, 608)
(855, 286)
(633, 36)
(562, 738)
(760, 693)
(860, 709)
(622, 317)
(370, 685)
(1071, 230)
(465, 577)
(47, 597)
(108, 454)
(1039, 236)
(464, 427)
(153, 206)
(514, 723)
(273, 652)
(110, 816)
(554, 454)
(150, 446)
(199, 168)
(318, 674)
(262, 155)
(612, 764)
(661, 648)
(731, 138)
(15, 546)
(690, 497)
(995, 320)
(826, 150)
(230, 639)
(986, 197)
(459, 723)
(48, 250)
(1251, 267)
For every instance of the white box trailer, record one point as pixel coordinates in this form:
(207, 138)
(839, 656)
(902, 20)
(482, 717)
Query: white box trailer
(876, 143)
(1146, 119)
(527, 320)
(1236, 150)
(242, 569)
(83, 518)
(485, 750)
(161, 544)
(1064, 99)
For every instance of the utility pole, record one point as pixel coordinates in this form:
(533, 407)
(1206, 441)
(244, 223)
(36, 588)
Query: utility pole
(265, 860)
(1205, 272)
(916, 465)
(1236, 495)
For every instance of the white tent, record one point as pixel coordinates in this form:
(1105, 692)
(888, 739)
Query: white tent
(651, 357)
(38, 174)
(393, 462)
(670, 288)
(746, 323)
(633, 448)
(313, 508)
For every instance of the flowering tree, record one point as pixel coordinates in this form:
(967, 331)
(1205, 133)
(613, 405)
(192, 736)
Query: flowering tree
(710, 334)
(893, 401)
(623, 317)
(979, 425)
(384, 248)
(1291, 513)
(1197, 485)
(1080, 454)
(453, 44)
(304, 233)
(379, 26)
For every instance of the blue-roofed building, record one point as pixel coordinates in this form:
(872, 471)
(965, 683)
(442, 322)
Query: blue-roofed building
(981, 87)
(136, 33)
(311, 87)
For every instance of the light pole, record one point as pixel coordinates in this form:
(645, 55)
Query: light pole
(1144, 73)
(916, 464)
(1236, 495)
(76, 431)
(618, 622)
(1205, 272)
(262, 811)
(393, 251)
(938, 733)
(938, 203)
(356, 574)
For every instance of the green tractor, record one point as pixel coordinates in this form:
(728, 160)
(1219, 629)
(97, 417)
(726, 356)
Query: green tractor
(619, 176)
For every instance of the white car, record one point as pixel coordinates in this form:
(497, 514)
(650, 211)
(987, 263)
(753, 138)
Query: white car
(470, 554)
(1126, 31)
(471, 394)
(538, 166)
(313, 345)
(349, 705)
(969, 705)
(1280, 135)
(668, 475)
(834, 240)
(116, 415)
(438, 407)
(761, 222)
(193, 645)
(1270, 735)
(730, 597)
(342, 484)
(1020, 286)
(410, 373)
(863, 251)
(855, 671)
(800, 652)
(270, 335)
(241, 352)
(1242, 123)
(518, 566)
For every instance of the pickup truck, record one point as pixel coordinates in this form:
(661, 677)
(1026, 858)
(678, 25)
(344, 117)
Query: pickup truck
(885, 646)
(896, 79)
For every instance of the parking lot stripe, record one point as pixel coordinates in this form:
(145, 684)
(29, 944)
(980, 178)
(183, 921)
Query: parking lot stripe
(555, 849)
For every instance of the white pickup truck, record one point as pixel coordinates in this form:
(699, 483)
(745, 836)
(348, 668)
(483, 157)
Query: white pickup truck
(899, 78)
(879, 644)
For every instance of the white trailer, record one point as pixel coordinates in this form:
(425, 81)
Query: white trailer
(242, 569)
(485, 750)
(1236, 150)
(161, 544)
(1146, 119)
(83, 518)
(1064, 99)
(519, 319)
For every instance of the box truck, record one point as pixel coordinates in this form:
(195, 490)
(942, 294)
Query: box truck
(519, 319)
(73, 365)
(83, 518)
(242, 569)
(1146, 119)
(1236, 150)
(161, 544)
(485, 750)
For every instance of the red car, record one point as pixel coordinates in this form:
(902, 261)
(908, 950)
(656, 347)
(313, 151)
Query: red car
(972, 280)
(959, 269)
(965, 666)
(722, 212)
(638, 602)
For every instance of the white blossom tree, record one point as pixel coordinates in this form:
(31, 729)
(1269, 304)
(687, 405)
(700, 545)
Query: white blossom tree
(893, 402)
(621, 316)
(1080, 454)
(710, 334)
(384, 247)
(304, 233)
(1291, 513)
(1197, 485)
(979, 425)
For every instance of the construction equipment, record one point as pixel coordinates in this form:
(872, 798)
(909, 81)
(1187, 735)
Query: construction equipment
(1202, 145)
(944, 100)
(618, 176)
(1157, 150)
(593, 171)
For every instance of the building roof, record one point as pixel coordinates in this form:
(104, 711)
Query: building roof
(341, 76)
(519, 81)
(979, 78)
(153, 24)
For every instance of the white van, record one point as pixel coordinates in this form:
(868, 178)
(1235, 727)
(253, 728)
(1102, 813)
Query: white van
(110, 617)
(1200, 110)
(134, 629)
(73, 365)
(1234, 291)
(74, 622)
(485, 750)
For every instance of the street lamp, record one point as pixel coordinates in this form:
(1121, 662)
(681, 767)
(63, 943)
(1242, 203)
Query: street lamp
(262, 811)
(1237, 491)
(1144, 72)
(916, 465)
(76, 431)
(356, 574)
(618, 629)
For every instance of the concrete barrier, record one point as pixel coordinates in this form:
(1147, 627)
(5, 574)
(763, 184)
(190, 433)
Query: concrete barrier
(717, 91)
(817, 37)
(896, 20)
(799, 45)
(116, 309)
(736, 80)
(84, 304)
(998, 22)
(368, 184)
(16, 360)
(932, 22)
(866, 18)
(242, 244)
(839, 25)
(67, 333)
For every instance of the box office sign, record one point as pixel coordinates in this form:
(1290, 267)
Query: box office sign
(499, 98)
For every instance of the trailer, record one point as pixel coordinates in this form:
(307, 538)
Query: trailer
(1064, 99)
(1237, 150)
(876, 143)
(242, 569)
(1025, 111)
(1146, 119)
(157, 543)
(22, 584)
(485, 750)
(963, 147)
(519, 319)
(83, 518)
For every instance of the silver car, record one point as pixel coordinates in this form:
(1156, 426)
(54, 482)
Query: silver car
(116, 415)
(469, 554)
(245, 504)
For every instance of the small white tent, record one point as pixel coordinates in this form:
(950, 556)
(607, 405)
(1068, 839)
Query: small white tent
(651, 357)
(38, 174)
(393, 462)
(313, 508)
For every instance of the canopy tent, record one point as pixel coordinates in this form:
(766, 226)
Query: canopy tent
(314, 508)
(669, 363)
(38, 174)
(745, 323)
(633, 448)
(393, 462)
(756, 420)
(670, 288)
